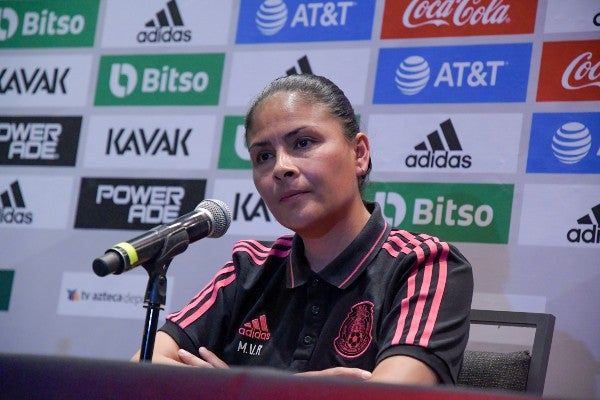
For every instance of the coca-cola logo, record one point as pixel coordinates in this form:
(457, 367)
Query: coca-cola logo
(581, 72)
(460, 13)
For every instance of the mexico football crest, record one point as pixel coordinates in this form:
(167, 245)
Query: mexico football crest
(354, 336)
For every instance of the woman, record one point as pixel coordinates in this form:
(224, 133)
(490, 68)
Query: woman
(347, 295)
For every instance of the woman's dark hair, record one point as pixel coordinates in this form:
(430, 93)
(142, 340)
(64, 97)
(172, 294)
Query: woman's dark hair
(314, 89)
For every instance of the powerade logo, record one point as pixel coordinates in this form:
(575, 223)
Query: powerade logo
(566, 143)
(48, 24)
(174, 79)
(39, 140)
(453, 74)
(456, 212)
(276, 21)
(135, 203)
(234, 152)
(7, 277)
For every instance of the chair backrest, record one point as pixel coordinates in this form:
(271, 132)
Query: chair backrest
(522, 370)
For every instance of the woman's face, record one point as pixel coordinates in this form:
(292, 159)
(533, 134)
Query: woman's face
(303, 166)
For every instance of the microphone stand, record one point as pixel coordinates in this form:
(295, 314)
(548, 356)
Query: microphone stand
(156, 290)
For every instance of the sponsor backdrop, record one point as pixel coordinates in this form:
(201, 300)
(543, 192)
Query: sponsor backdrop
(118, 116)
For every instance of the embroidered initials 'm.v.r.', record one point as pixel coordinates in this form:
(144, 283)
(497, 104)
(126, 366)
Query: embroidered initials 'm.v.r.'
(256, 329)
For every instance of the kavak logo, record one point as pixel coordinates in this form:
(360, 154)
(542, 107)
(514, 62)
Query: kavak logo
(167, 26)
(120, 203)
(564, 143)
(453, 74)
(174, 79)
(457, 212)
(439, 150)
(250, 213)
(14, 211)
(424, 18)
(304, 21)
(39, 140)
(570, 71)
(42, 24)
(141, 141)
(52, 81)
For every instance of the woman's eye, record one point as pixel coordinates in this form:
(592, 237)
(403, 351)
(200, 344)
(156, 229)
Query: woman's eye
(303, 143)
(262, 157)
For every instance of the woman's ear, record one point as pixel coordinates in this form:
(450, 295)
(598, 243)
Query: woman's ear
(362, 149)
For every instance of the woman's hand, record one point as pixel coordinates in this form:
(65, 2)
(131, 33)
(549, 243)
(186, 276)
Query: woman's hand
(207, 359)
(340, 372)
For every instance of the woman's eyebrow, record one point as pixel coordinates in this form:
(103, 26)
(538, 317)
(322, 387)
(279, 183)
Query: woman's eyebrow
(286, 137)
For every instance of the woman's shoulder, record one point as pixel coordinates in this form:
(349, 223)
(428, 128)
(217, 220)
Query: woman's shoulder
(258, 252)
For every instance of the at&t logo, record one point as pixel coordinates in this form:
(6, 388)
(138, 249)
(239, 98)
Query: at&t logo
(571, 142)
(123, 80)
(413, 74)
(272, 15)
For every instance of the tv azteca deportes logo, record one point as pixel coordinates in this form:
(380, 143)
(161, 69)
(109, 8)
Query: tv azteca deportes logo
(166, 27)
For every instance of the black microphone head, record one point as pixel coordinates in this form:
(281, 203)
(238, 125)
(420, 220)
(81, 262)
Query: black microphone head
(220, 215)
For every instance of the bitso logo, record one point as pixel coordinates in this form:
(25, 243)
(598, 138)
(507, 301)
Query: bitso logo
(271, 17)
(135, 203)
(424, 18)
(123, 79)
(13, 211)
(234, 152)
(485, 73)
(458, 212)
(588, 230)
(166, 27)
(7, 277)
(10, 20)
(37, 24)
(302, 21)
(175, 79)
(39, 140)
(439, 150)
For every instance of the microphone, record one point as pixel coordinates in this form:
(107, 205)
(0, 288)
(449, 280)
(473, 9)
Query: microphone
(210, 218)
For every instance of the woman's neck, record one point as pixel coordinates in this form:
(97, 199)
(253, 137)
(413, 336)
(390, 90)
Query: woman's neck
(321, 250)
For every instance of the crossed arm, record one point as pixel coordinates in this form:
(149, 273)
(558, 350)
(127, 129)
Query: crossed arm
(396, 369)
